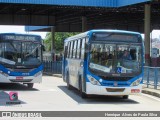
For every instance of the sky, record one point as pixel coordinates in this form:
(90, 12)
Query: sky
(20, 29)
(155, 34)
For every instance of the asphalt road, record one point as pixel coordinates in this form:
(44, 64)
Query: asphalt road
(53, 95)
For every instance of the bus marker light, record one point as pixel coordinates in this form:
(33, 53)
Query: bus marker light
(135, 90)
(100, 80)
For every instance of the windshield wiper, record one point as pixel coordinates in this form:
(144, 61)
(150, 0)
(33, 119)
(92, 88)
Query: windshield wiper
(7, 61)
(97, 72)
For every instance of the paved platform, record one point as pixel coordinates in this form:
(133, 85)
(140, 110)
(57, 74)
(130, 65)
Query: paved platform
(151, 91)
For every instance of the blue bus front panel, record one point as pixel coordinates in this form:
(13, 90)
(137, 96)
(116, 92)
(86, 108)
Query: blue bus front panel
(9, 76)
(106, 87)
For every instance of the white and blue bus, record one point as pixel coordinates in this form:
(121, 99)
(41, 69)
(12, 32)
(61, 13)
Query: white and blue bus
(20, 58)
(104, 62)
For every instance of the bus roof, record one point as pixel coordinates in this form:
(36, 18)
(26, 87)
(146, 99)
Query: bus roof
(99, 30)
(19, 34)
(28, 37)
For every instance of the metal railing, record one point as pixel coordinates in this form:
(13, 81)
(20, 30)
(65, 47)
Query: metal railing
(151, 77)
(54, 67)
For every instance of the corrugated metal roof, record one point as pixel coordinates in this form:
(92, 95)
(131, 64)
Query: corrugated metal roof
(97, 3)
(121, 3)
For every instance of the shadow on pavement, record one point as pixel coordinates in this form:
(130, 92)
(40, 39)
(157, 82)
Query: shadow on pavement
(5, 101)
(15, 87)
(96, 99)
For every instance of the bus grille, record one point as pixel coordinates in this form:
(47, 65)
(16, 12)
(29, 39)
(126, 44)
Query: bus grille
(115, 89)
(112, 84)
(115, 78)
(24, 80)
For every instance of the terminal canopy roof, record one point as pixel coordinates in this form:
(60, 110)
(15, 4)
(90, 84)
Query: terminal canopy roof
(66, 15)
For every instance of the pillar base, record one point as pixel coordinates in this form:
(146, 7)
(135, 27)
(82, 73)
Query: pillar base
(154, 62)
(147, 62)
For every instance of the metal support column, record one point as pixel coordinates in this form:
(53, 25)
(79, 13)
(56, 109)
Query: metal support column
(53, 43)
(84, 24)
(147, 22)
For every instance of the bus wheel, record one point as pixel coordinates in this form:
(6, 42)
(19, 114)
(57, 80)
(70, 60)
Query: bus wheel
(30, 85)
(125, 97)
(83, 95)
(68, 85)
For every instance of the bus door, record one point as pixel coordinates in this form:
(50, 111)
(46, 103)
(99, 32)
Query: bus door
(64, 61)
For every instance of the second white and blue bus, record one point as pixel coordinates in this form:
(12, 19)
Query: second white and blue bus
(21, 58)
(94, 62)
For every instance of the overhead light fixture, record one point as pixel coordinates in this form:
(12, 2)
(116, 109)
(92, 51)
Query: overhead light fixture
(23, 9)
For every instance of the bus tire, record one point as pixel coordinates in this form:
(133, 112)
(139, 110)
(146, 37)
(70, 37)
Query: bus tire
(30, 85)
(125, 96)
(68, 85)
(83, 95)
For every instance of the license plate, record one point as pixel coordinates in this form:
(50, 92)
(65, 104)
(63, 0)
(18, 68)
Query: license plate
(19, 78)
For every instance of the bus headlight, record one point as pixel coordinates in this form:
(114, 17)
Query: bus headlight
(93, 80)
(4, 74)
(37, 74)
(137, 82)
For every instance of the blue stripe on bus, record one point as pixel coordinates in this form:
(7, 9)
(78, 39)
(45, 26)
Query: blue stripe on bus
(12, 73)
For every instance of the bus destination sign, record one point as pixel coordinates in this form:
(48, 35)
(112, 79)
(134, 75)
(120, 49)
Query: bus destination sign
(20, 37)
(115, 37)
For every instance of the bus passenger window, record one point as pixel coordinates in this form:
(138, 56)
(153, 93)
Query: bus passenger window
(68, 51)
(78, 48)
(74, 49)
(71, 45)
(1, 49)
(83, 48)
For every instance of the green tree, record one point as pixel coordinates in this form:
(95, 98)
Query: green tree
(47, 42)
(59, 39)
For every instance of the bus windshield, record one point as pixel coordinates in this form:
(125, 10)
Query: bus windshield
(20, 53)
(110, 59)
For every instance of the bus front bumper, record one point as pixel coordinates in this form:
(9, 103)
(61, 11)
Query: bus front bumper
(113, 91)
(21, 79)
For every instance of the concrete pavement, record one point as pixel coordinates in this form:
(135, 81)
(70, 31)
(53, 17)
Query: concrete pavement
(52, 95)
(51, 74)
